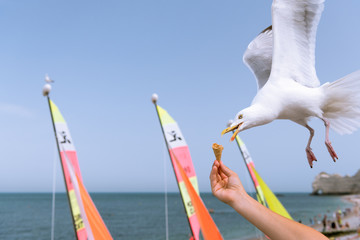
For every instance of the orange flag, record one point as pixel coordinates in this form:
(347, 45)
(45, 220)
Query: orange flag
(98, 227)
(207, 224)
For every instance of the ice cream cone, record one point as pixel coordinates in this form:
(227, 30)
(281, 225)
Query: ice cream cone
(217, 151)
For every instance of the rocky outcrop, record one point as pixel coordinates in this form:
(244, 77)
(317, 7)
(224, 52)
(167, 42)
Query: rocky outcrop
(334, 184)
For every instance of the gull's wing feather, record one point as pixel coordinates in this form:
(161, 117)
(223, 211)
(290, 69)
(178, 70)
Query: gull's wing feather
(294, 27)
(258, 56)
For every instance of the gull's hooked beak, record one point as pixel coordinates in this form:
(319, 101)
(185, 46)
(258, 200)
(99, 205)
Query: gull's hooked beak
(229, 129)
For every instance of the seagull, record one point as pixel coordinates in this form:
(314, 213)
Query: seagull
(48, 79)
(282, 58)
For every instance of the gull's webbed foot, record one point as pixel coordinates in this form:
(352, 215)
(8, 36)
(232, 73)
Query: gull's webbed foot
(331, 151)
(310, 156)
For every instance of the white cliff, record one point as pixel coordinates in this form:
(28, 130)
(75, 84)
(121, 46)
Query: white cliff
(334, 184)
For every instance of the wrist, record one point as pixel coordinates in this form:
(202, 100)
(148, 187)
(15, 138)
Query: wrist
(239, 201)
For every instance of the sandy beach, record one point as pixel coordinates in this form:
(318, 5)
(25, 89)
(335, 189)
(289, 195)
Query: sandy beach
(350, 221)
(344, 224)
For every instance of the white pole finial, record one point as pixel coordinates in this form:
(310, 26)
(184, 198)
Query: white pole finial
(154, 98)
(46, 89)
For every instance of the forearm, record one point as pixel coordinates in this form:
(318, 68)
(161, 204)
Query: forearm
(273, 225)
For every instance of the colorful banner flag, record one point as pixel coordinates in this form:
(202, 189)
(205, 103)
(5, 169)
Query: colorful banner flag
(264, 195)
(87, 221)
(177, 146)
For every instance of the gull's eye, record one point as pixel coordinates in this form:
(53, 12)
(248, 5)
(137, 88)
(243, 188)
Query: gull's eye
(240, 116)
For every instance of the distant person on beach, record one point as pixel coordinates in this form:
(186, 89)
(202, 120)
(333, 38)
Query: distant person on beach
(333, 225)
(316, 221)
(227, 187)
(324, 222)
(338, 218)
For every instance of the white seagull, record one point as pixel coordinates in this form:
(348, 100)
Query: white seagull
(282, 59)
(48, 79)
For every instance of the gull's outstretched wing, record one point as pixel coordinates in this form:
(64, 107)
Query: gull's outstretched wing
(258, 56)
(294, 27)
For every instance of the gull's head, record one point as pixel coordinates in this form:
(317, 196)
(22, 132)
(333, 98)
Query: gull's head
(247, 118)
(237, 124)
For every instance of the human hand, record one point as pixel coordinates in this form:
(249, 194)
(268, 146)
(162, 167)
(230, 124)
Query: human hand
(225, 184)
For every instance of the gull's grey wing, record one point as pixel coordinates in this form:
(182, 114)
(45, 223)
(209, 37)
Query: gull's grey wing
(258, 56)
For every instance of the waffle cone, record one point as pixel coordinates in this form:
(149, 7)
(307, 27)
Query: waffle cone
(217, 151)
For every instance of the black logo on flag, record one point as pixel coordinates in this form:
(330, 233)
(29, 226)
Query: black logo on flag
(175, 138)
(65, 140)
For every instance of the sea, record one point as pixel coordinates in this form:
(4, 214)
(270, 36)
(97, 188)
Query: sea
(132, 216)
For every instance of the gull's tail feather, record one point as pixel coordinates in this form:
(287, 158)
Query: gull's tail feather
(342, 103)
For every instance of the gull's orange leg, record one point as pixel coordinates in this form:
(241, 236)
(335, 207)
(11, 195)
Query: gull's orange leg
(309, 153)
(327, 141)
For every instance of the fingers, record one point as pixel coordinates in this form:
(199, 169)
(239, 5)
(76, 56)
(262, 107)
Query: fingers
(226, 170)
(214, 178)
(222, 175)
(219, 172)
(219, 176)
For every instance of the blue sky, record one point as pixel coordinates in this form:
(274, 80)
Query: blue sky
(107, 59)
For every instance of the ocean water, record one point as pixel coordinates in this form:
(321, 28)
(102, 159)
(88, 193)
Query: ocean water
(141, 215)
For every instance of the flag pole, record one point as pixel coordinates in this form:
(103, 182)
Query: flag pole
(247, 167)
(46, 91)
(154, 99)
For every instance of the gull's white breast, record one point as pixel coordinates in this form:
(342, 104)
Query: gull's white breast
(291, 100)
